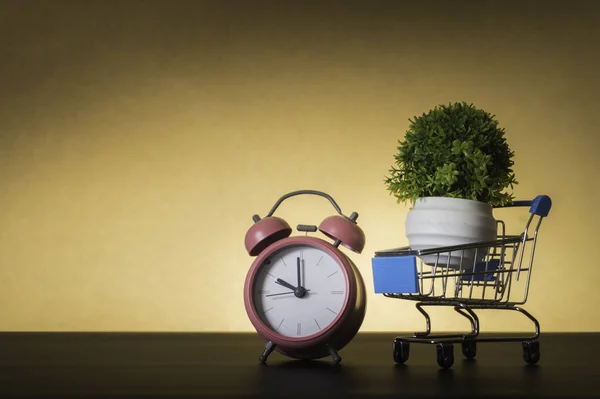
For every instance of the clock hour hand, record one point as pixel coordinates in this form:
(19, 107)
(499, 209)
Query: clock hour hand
(299, 292)
(285, 284)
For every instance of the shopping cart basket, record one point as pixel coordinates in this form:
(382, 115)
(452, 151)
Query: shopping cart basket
(498, 279)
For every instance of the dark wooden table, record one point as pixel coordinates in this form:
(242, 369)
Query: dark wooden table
(182, 365)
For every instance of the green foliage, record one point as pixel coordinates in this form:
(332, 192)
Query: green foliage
(454, 150)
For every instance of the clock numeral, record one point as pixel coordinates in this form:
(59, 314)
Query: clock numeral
(268, 273)
(333, 273)
(319, 261)
(285, 264)
(280, 323)
(299, 329)
(332, 311)
(337, 292)
(268, 309)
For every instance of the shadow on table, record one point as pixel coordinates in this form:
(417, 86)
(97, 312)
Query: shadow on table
(306, 378)
(467, 378)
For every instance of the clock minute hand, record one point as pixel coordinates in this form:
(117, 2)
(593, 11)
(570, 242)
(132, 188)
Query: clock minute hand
(298, 268)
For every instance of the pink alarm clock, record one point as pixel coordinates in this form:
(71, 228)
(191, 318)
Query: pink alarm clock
(302, 294)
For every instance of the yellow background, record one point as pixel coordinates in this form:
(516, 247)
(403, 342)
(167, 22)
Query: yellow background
(138, 138)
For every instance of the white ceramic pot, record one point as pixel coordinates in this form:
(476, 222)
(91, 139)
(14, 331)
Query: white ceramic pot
(440, 221)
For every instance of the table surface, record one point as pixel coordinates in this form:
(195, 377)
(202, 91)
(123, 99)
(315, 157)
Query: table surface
(226, 365)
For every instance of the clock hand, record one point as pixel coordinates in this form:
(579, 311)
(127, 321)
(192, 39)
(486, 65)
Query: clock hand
(298, 291)
(283, 293)
(298, 269)
(285, 284)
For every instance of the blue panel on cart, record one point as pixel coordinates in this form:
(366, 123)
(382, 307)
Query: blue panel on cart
(481, 270)
(395, 274)
(541, 205)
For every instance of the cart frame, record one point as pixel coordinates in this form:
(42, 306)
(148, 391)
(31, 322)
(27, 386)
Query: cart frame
(487, 284)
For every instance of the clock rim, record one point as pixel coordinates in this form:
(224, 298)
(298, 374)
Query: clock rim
(322, 336)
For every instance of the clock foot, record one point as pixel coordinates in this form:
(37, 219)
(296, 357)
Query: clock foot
(268, 349)
(336, 357)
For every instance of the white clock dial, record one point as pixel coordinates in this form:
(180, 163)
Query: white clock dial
(321, 277)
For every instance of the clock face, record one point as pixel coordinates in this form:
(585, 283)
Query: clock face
(299, 291)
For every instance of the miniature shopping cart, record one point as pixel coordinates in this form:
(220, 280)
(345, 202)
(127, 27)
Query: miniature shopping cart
(498, 278)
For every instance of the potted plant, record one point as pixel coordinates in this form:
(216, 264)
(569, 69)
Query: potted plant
(452, 166)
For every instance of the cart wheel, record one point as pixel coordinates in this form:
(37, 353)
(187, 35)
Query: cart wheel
(531, 351)
(401, 351)
(445, 355)
(469, 349)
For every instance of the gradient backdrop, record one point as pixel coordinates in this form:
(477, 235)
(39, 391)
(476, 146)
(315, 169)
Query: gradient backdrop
(138, 138)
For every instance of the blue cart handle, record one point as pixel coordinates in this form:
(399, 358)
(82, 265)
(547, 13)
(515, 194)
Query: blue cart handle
(540, 205)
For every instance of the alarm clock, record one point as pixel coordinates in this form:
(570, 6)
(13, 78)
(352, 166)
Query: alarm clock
(302, 294)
